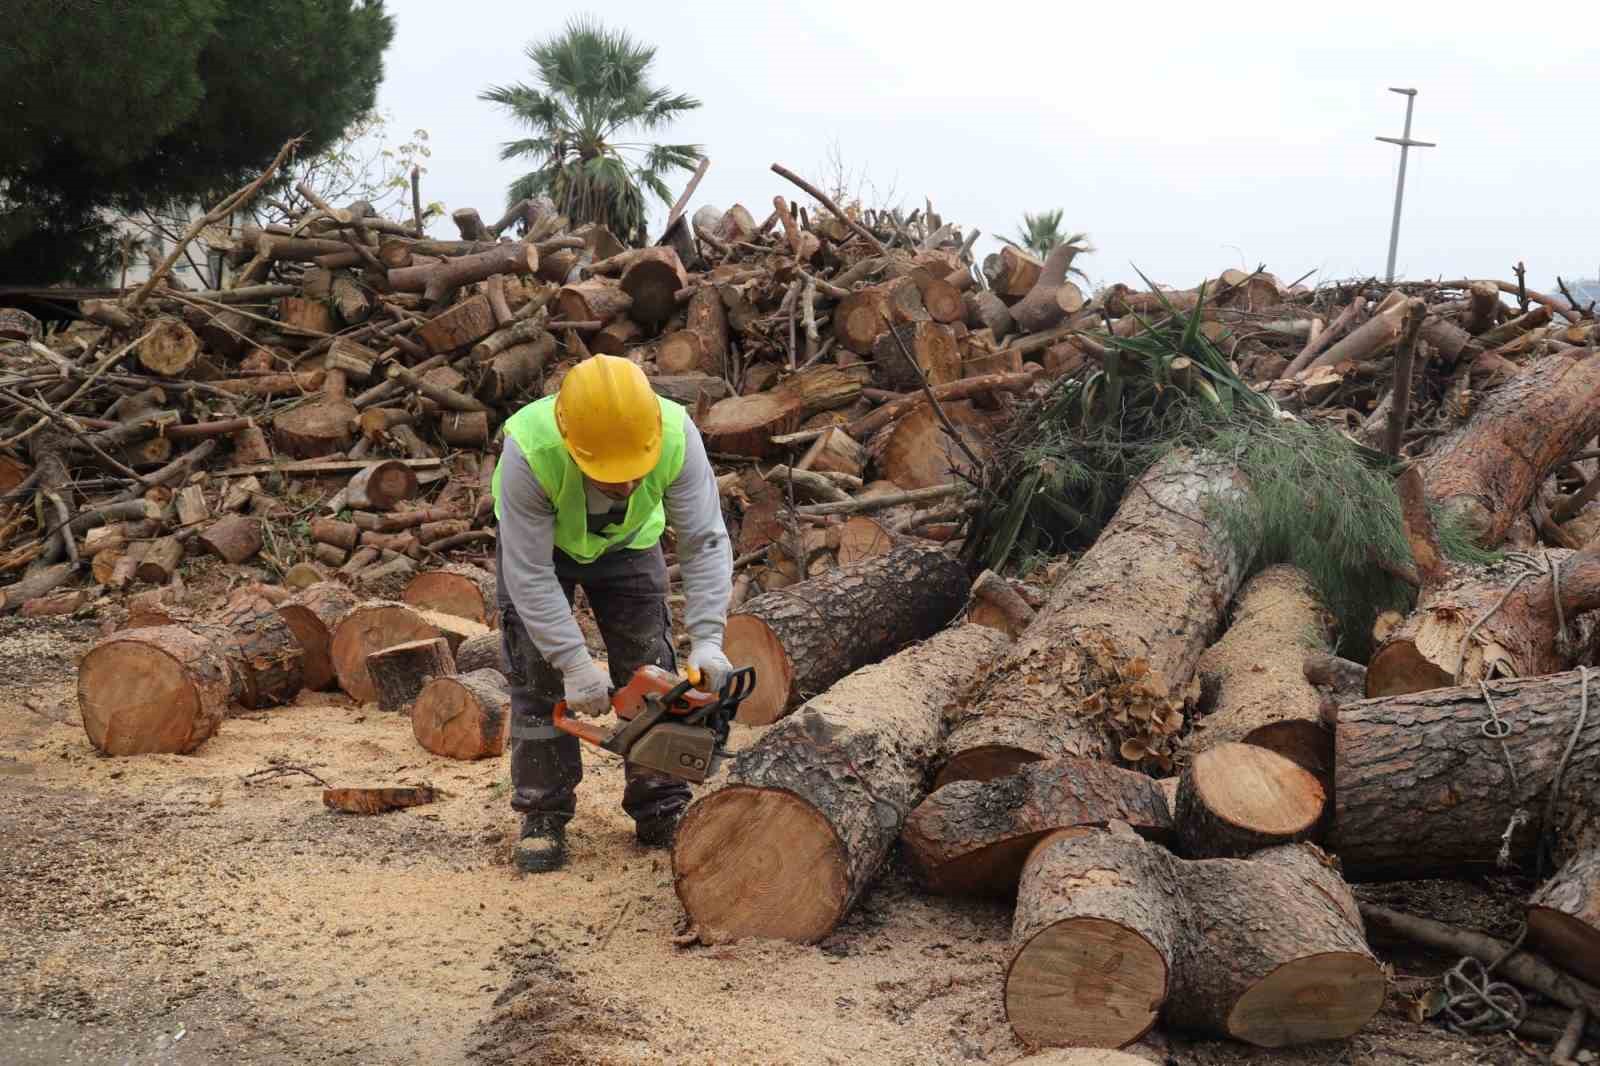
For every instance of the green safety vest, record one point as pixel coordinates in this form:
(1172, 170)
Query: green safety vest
(534, 429)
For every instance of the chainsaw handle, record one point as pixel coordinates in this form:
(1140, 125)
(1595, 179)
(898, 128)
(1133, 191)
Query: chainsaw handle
(582, 730)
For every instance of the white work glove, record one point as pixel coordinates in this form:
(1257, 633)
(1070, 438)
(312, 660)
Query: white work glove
(588, 690)
(708, 667)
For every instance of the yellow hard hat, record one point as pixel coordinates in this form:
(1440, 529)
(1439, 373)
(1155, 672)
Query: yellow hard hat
(609, 419)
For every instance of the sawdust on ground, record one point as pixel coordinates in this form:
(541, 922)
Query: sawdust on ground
(204, 908)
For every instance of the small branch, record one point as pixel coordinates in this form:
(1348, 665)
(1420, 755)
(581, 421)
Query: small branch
(683, 198)
(887, 499)
(1400, 408)
(416, 200)
(822, 198)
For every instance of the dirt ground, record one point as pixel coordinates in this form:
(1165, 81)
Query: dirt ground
(208, 908)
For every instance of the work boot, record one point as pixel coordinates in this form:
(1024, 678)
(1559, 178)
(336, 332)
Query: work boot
(543, 846)
(657, 831)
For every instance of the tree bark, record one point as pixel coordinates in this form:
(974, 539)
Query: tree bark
(481, 653)
(463, 591)
(364, 629)
(652, 282)
(932, 347)
(145, 691)
(863, 316)
(1421, 790)
(466, 717)
(1369, 340)
(400, 671)
(463, 324)
(803, 638)
(985, 310)
(1276, 954)
(702, 345)
(1039, 309)
(1487, 471)
(1097, 925)
(973, 837)
(810, 811)
(381, 486)
(266, 655)
(595, 300)
(1253, 678)
(1106, 667)
(1564, 915)
(234, 539)
(1234, 799)
(332, 531)
(437, 281)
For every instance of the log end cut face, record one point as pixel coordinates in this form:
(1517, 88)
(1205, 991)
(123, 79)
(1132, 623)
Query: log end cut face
(1257, 790)
(1085, 982)
(1400, 667)
(317, 667)
(450, 719)
(752, 862)
(1329, 996)
(366, 630)
(137, 699)
(1571, 943)
(987, 762)
(749, 641)
(450, 593)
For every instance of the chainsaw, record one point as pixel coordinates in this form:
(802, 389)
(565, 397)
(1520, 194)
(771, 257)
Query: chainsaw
(666, 724)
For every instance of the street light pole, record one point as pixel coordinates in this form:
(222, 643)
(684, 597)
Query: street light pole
(1406, 144)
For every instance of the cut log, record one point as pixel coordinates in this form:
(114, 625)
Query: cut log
(376, 800)
(1234, 799)
(652, 281)
(312, 615)
(356, 360)
(863, 316)
(932, 346)
(400, 671)
(364, 629)
(234, 539)
(1276, 955)
(169, 348)
(745, 425)
(515, 371)
(1040, 309)
(1012, 273)
(862, 538)
(1107, 665)
(987, 311)
(1098, 921)
(690, 389)
(1253, 678)
(463, 591)
(380, 487)
(997, 605)
(835, 452)
(1372, 338)
(266, 654)
(190, 503)
(805, 637)
(467, 716)
(321, 427)
(332, 531)
(1422, 787)
(917, 452)
(1564, 915)
(437, 281)
(250, 447)
(810, 811)
(144, 691)
(307, 381)
(1487, 471)
(595, 300)
(465, 429)
(618, 336)
(484, 652)
(1511, 614)
(157, 563)
(971, 838)
(466, 323)
(702, 345)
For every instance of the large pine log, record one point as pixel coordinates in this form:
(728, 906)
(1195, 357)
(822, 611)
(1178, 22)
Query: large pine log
(400, 671)
(1098, 921)
(1564, 915)
(1234, 799)
(436, 281)
(803, 638)
(233, 539)
(467, 716)
(1420, 789)
(973, 837)
(595, 300)
(1106, 666)
(381, 486)
(1487, 471)
(1253, 678)
(154, 690)
(464, 591)
(809, 812)
(366, 628)
(1514, 630)
(267, 656)
(1275, 953)
(1012, 273)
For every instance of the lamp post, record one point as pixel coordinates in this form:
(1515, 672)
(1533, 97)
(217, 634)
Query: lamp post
(1406, 144)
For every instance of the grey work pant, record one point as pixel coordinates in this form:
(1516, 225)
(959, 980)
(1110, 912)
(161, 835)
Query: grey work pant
(627, 590)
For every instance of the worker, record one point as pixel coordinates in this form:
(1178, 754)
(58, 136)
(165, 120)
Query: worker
(587, 481)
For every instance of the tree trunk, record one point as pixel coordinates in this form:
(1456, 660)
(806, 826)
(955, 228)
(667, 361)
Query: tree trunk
(745, 425)
(364, 629)
(381, 486)
(652, 282)
(835, 452)
(332, 531)
(467, 716)
(437, 281)
(1564, 915)
(161, 690)
(1276, 953)
(400, 671)
(985, 310)
(1012, 273)
(1106, 667)
(466, 323)
(617, 337)
(159, 561)
(1369, 340)
(916, 451)
(321, 427)
(595, 300)
(1487, 471)
(1234, 799)
(931, 345)
(863, 316)
(702, 345)
(234, 539)
(515, 371)
(1039, 309)
(1421, 790)
(1516, 631)
(464, 591)
(169, 349)
(811, 810)
(973, 837)
(803, 638)
(481, 653)
(1097, 923)
(1253, 678)
(267, 656)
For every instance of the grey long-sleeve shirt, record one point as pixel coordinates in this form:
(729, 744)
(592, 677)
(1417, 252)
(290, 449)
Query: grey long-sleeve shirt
(527, 552)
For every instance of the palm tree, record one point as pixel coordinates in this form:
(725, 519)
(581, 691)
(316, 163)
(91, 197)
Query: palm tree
(1042, 232)
(594, 88)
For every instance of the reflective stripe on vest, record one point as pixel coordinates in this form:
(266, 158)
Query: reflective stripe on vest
(534, 430)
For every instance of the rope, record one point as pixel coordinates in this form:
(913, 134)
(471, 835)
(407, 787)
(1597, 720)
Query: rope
(1476, 1003)
(1546, 859)
(1532, 567)
(1497, 728)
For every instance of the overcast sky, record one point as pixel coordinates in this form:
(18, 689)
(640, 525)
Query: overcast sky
(1184, 138)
